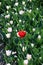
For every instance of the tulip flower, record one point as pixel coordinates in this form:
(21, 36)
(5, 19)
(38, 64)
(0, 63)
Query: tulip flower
(21, 34)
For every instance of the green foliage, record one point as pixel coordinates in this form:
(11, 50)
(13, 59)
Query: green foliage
(31, 18)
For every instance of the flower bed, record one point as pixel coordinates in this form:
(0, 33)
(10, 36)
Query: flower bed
(21, 32)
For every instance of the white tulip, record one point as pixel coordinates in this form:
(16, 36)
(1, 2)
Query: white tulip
(30, 11)
(7, 16)
(21, 12)
(14, 52)
(33, 29)
(23, 2)
(9, 29)
(20, 20)
(39, 36)
(8, 64)
(11, 22)
(8, 52)
(8, 7)
(32, 44)
(8, 35)
(16, 4)
(25, 62)
(28, 56)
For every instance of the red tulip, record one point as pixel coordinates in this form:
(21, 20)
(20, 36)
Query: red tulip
(21, 34)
